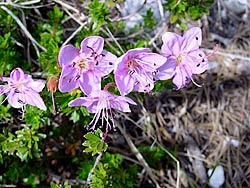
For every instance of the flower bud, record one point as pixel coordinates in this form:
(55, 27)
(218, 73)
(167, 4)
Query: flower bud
(52, 83)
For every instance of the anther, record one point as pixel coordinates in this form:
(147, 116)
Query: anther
(20, 101)
(17, 91)
(131, 72)
(77, 77)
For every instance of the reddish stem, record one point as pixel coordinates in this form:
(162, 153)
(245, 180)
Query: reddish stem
(105, 135)
(53, 103)
(107, 86)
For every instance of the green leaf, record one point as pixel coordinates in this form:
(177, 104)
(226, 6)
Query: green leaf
(94, 142)
(92, 137)
(173, 18)
(183, 26)
(53, 185)
(149, 21)
(2, 138)
(194, 12)
(98, 13)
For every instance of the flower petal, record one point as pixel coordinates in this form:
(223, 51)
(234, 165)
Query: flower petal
(81, 101)
(191, 39)
(4, 89)
(90, 103)
(127, 100)
(167, 70)
(182, 77)
(121, 62)
(67, 81)
(124, 82)
(151, 61)
(67, 54)
(92, 45)
(197, 61)
(89, 82)
(17, 74)
(14, 99)
(171, 44)
(146, 85)
(106, 63)
(4, 79)
(133, 53)
(120, 105)
(37, 85)
(34, 99)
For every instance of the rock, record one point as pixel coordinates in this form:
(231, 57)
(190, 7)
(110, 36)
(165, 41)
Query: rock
(237, 6)
(136, 8)
(217, 179)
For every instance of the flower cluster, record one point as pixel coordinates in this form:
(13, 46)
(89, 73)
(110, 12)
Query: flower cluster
(22, 89)
(138, 69)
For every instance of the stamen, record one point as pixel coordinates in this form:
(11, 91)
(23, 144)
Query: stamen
(214, 50)
(93, 51)
(4, 100)
(190, 76)
(198, 85)
(95, 120)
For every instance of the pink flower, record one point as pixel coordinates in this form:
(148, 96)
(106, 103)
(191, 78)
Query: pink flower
(22, 89)
(102, 103)
(184, 57)
(84, 67)
(135, 70)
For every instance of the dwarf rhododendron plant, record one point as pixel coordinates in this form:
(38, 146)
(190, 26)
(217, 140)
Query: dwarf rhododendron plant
(102, 103)
(184, 57)
(22, 89)
(84, 67)
(136, 70)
